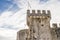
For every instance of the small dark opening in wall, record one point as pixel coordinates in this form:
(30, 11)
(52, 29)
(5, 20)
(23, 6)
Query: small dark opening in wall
(33, 31)
(30, 30)
(42, 25)
(48, 16)
(39, 21)
(26, 38)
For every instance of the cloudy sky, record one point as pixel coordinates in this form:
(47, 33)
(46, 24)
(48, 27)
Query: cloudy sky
(13, 15)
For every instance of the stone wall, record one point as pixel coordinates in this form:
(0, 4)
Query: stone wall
(39, 27)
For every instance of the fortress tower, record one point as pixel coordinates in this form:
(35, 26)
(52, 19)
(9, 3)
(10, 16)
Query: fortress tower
(39, 24)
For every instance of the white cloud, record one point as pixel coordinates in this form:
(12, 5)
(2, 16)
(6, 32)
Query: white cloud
(7, 34)
(7, 19)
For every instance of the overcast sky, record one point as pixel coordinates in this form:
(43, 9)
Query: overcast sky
(13, 15)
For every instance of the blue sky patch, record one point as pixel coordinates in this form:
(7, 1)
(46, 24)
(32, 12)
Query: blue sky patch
(6, 4)
(43, 1)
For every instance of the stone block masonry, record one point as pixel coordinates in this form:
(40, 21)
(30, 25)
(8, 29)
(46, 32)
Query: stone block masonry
(38, 22)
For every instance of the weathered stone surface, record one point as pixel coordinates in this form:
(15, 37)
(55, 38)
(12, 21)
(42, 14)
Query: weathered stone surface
(23, 34)
(39, 27)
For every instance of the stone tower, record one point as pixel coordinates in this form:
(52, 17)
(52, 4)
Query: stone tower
(39, 24)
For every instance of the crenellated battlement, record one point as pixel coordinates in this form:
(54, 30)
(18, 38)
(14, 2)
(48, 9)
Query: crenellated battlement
(55, 25)
(38, 13)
